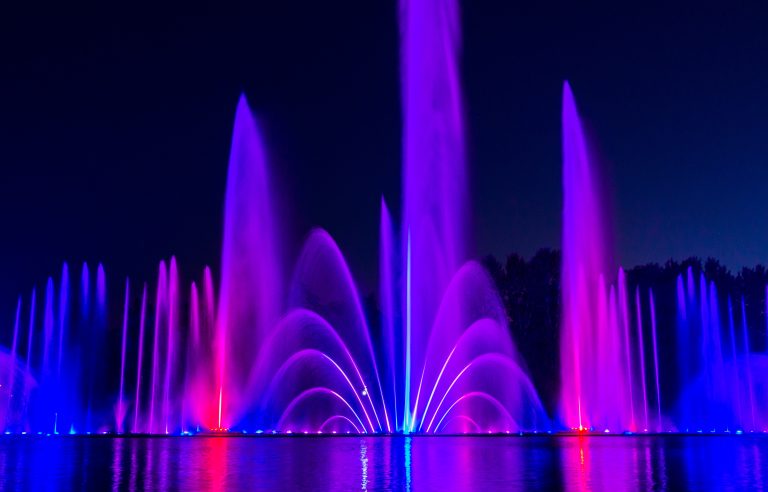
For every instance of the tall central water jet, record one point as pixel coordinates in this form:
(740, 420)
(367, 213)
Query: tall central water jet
(434, 177)
(446, 361)
(457, 344)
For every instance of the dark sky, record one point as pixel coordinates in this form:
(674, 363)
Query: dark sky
(115, 126)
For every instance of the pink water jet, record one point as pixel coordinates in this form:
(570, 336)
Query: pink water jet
(596, 387)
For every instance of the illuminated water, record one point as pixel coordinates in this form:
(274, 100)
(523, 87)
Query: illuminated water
(263, 344)
(287, 344)
(375, 463)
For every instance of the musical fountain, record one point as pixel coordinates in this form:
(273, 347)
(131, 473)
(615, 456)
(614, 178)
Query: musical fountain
(268, 351)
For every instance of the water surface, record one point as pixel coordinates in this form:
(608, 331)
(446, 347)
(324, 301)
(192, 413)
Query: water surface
(380, 463)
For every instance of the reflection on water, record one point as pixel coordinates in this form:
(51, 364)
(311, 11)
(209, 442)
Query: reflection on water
(364, 465)
(407, 463)
(375, 463)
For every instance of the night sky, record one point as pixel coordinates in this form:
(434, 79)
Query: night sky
(115, 127)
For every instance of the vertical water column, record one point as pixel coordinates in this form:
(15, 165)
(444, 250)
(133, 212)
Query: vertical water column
(63, 394)
(250, 294)
(748, 367)
(684, 341)
(594, 383)
(140, 360)
(392, 338)
(641, 356)
(733, 364)
(170, 345)
(156, 365)
(194, 360)
(10, 376)
(721, 390)
(624, 313)
(582, 265)
(434, 179)
(87, 350)
(94, 333)
(101, 411)
(655, 360)
(28, 368)
(121, 408)
(46, 402)
(209, 395)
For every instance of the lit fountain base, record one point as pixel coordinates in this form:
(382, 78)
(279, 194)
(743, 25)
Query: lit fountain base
(306, 434)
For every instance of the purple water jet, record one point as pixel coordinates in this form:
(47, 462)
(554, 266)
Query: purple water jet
(10, 366)
(172, 306)
(655, 359)
(140, 358)
(434, 175)
(28, 369)
(160, 306)
(641, 355)
(250, 290)
(120, 410)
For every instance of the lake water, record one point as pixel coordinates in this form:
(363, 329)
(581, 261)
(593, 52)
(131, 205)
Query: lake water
(385, 463)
